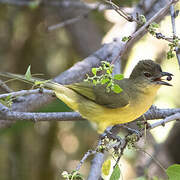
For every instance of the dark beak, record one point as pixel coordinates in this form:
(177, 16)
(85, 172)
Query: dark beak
(160, 81)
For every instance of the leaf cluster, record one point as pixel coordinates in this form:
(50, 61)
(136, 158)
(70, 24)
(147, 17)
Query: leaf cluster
(7, 101)
(103, 75)
(172, 46)
(152, 28)
(74, 175)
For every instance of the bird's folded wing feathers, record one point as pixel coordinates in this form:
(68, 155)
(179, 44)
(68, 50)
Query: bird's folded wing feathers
(99, 95)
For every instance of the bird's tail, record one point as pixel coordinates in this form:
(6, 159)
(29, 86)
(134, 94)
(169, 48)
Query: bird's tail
(68, 96)
(34, 81)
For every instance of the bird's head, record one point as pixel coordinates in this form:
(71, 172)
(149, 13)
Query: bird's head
(149, 72)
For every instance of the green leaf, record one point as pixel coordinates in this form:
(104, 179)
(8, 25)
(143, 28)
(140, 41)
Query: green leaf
(116, 88)
(125, 38)
(37, 83)
(104, 81)
(7, 101)
(108, 71)
(142, 19)
(94, 71)
(106, 63)
(94, 82)
(118, 76)
(109, 84)
(28, 75)
(116, 173)
(173, 172)
(106, 167)
(154, 25)
(170, 54)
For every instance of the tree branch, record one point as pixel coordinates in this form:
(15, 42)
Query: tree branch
(5, 87)
(165, 120)
(65, 4)
(142, 30)
(177, 49)
(27, 92)
(7, 114)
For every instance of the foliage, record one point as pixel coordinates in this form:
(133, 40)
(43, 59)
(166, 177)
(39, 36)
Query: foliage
(115, 175)
(173, 172)
(106, 167)
(37, 82)
(153, 28)
(28, 75)
(126, 38)
(103, 75)
(8, 101)
(74, 175)
(172, 46)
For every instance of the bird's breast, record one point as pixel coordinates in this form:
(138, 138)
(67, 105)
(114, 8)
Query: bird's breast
(128, 113)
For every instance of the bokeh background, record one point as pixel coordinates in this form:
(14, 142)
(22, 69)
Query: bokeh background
(42, 151)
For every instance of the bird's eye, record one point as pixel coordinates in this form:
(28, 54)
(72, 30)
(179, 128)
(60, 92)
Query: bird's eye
(147, 74)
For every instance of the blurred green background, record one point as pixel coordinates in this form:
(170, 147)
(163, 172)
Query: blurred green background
(42, 151)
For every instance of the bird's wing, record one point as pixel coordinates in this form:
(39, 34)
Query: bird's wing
(84, 89)
(100, 95)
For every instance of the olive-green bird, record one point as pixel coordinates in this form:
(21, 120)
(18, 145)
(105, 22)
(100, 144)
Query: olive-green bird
(109, 108)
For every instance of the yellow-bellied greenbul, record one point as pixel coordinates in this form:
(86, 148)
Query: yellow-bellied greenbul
(109, 108)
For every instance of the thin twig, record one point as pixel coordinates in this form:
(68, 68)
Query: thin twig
(121, 12)
(27, 92)
(165, 120)
(68, 22)
(86, 155)
(161, 36)
(5, 87)
(177, 49)
(143, 29)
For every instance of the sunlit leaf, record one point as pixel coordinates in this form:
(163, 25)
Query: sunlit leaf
(40, 82)
(108, 71)
(155, 25)
(173, 172)
(94, 82)
(7, 101)
(104, 81)
(94, 71)
(116, 88)
(118, 76)
(28, 75)
(106, 167)
(116, 173)
(125, 38)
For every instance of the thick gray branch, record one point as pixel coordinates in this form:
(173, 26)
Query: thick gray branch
(7, 114)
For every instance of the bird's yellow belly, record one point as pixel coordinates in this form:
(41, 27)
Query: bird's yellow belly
(105, 117)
